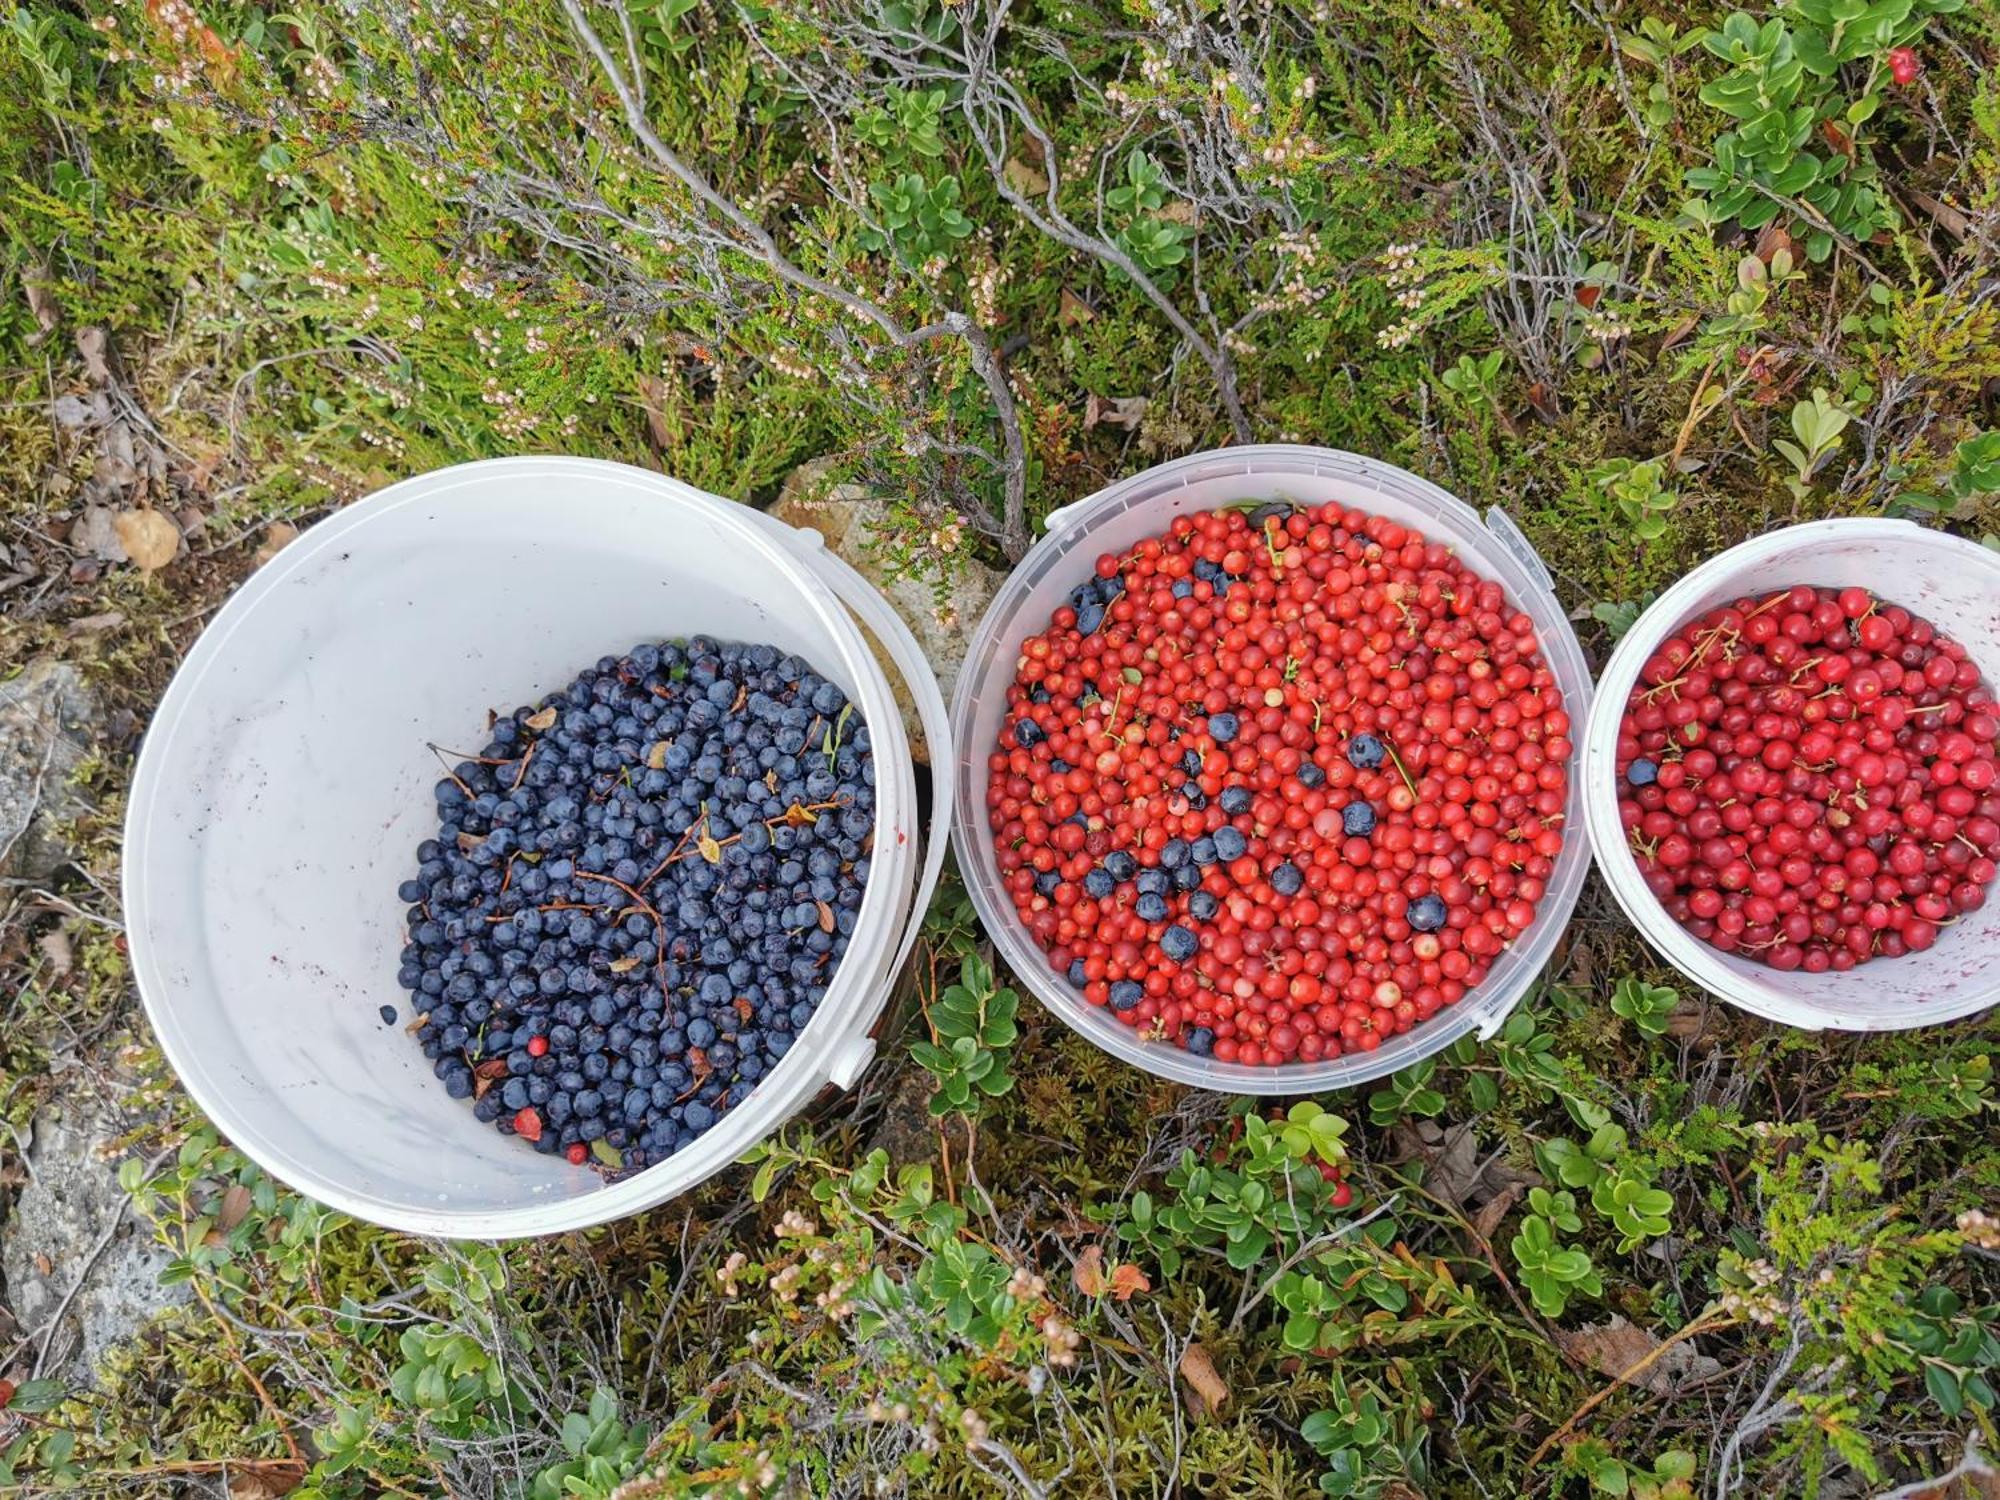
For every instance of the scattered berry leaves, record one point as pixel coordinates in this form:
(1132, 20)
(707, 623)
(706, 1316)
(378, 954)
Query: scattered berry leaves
(637, 895)
(1807, 779)
(1177, 796)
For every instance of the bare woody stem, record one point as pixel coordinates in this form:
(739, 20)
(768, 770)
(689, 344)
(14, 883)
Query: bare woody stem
(756, 241)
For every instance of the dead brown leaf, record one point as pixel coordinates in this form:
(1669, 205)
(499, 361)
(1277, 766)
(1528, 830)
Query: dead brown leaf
(263, 1479)
(1679, 332)
(1490, 1213)
(653, 396)
(1115, 411)
(1614, 1347)
(1088, 1273)
(42, 303)
(150, 538)
(546, 719)
(92, 345)
(1951, 220)
(111, 619)
(277, 536)
(1127, 1281)
(1198, 1370)
(1028, 181)
(43, 1264)
(1072, 309)
(56, 949)
(94, 535)
(235, 1207)
(624, 965)
(1180, 211)
(1773, 238)
(1450, 1157)
(1687, 1018)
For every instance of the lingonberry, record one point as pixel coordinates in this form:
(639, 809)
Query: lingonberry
(1805, 779)
(1292, 795)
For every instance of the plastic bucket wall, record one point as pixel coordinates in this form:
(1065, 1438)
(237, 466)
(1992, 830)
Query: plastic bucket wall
(284, 785)
(1143, 506)
(1953, 584)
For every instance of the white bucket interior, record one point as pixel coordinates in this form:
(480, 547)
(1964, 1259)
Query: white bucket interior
(285, 785)
(1143, 506)
(1953, 584)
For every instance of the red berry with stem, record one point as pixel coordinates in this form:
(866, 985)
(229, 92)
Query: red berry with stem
(1837, 805)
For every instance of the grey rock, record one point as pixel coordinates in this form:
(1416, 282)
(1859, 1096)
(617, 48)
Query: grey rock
(73, 1218)
(49, 719)
(850, 519)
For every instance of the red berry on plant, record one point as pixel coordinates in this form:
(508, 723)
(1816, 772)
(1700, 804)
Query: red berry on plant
(1904, 65)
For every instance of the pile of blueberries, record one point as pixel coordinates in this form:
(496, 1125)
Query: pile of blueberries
(637, 895)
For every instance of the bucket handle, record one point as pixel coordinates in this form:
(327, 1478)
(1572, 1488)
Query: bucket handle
(1511, 537)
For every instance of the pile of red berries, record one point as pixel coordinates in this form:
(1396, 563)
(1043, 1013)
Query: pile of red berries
(1808, 779)
(1278, 784)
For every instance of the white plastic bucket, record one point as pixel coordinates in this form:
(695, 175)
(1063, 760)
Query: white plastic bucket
(284, 785)
(1143, 506)
(1952, 583)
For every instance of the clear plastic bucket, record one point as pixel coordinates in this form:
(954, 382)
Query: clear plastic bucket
(284, 785)
(1142, 506)
(1952, 583)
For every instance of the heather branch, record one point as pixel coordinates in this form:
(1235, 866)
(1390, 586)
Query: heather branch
(1011, 527)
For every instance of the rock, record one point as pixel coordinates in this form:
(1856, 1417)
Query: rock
(849, 518)
(49, 721)
(72, 1204)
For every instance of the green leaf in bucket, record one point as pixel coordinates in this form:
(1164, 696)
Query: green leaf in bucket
(607, 1153)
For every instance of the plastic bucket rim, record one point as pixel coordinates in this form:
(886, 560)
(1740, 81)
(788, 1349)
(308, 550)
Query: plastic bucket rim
(797, 1077)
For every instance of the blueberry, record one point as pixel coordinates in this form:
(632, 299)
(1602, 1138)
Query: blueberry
(1120, 865)
(1098, 884)
(1202, 851)
(1235, 800)
(1151, 908)
(1046, 882)
(1310, 774)
(1027, 733)
(1178, 944)
(1075, 974)
(1357, 819)
(1183, 588)
(1642, 772)
(1200, 1041)
(1203, 906)
(1173, 854)
(1287, 879)
(1154, 882)
(1125, 994)
(1230, 843)
(1223, 727)
(1426, 913)
(388, 1015)
(1365, 752)
(1089, 618)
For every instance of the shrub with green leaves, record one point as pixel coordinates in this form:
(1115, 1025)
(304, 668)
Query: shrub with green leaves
(974, 1024)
